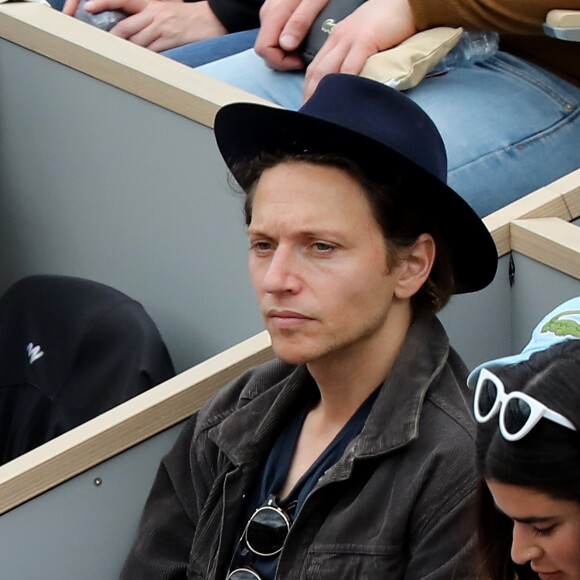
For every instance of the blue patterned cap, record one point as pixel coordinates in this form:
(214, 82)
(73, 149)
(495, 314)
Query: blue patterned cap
(562, 323)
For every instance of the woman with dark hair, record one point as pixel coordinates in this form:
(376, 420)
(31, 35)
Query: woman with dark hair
(528, 454)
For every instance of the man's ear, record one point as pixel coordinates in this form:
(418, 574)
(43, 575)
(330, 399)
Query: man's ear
(416, 266)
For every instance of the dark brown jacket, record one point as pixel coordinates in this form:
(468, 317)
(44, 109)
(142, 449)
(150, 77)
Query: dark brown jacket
(397, 505)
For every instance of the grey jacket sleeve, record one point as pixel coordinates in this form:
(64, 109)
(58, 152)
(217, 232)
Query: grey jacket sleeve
(443, 524)
(164, 537)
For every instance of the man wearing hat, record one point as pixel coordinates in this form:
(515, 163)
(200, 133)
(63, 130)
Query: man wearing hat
(351, 455)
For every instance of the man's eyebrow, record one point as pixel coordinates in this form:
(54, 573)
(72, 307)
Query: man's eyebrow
(307, 232)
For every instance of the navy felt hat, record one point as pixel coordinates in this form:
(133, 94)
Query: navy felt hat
(387, 134)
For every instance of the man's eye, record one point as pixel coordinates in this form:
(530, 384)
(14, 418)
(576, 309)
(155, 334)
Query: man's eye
(322, 246)
(260, 246)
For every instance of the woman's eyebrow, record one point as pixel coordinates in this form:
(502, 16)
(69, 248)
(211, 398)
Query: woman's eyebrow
(527, 519)
(533, 519)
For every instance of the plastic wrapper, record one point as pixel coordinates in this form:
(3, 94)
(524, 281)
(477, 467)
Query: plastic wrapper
(104, 20)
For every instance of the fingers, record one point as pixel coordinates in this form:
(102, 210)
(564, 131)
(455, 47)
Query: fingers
(284, 26)
(326, 62)
(348, 60)
(279, 59)
(374, 26)
(70, 7)
(137, 29)
(160, 44)
(164, 24)
(273, 16)
(299, 23)
(161, 25)
(343, 51)
(128, 6)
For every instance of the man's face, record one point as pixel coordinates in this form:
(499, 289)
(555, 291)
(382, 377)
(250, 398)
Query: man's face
(318, 262)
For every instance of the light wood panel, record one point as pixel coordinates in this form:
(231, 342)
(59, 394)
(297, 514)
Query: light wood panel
(118, 62)
(559, 199)
(551, 241)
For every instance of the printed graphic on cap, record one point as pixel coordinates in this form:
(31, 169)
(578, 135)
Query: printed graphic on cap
(563, 324)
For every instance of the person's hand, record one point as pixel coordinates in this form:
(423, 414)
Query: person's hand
(160, 25)
(128, 6)
(373, 27)
(70, 7)
(284, 25)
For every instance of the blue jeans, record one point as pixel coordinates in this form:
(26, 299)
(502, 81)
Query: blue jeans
(509, 127)
(205, 51)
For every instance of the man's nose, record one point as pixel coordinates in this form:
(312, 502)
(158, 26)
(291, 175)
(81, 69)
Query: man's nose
(282, 272)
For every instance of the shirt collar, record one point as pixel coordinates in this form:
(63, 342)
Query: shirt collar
(248, 433)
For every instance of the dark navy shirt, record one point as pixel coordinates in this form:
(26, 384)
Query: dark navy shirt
(276, 470)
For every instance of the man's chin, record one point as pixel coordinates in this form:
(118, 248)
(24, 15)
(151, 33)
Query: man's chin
(290, 352)
(291, 357)
(296, 353)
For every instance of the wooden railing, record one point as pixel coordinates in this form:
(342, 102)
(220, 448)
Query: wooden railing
(127, 66)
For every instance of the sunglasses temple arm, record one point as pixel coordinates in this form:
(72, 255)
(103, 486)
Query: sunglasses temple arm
(560, 419)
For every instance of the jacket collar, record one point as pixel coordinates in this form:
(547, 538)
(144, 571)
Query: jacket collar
(394, 419)
(248, 433)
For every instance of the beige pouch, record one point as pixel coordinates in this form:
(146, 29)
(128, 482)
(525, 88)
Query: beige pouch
(405, 65)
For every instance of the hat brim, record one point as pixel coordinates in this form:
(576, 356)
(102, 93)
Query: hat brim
(244, 130)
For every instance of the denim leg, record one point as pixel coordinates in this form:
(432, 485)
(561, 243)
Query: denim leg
(205, 51)
(247, 71)
(57, 4)
(509, 127)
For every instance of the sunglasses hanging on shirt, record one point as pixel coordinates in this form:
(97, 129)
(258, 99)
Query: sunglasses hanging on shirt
(264, 535)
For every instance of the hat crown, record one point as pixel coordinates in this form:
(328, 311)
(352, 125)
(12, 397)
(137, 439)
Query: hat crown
(382, 114)
(389, 137)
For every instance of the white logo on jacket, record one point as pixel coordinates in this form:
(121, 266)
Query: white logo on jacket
(34, 352)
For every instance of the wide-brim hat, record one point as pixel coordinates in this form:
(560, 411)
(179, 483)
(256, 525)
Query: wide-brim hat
(386, 134)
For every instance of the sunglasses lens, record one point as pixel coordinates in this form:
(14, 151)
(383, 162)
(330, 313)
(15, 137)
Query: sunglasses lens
(267, 531)
(516, 415)
(243, 574)
(487, 397)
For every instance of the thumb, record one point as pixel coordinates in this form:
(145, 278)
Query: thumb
(298, 25)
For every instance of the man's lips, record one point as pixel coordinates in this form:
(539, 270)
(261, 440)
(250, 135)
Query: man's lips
(286, 318)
